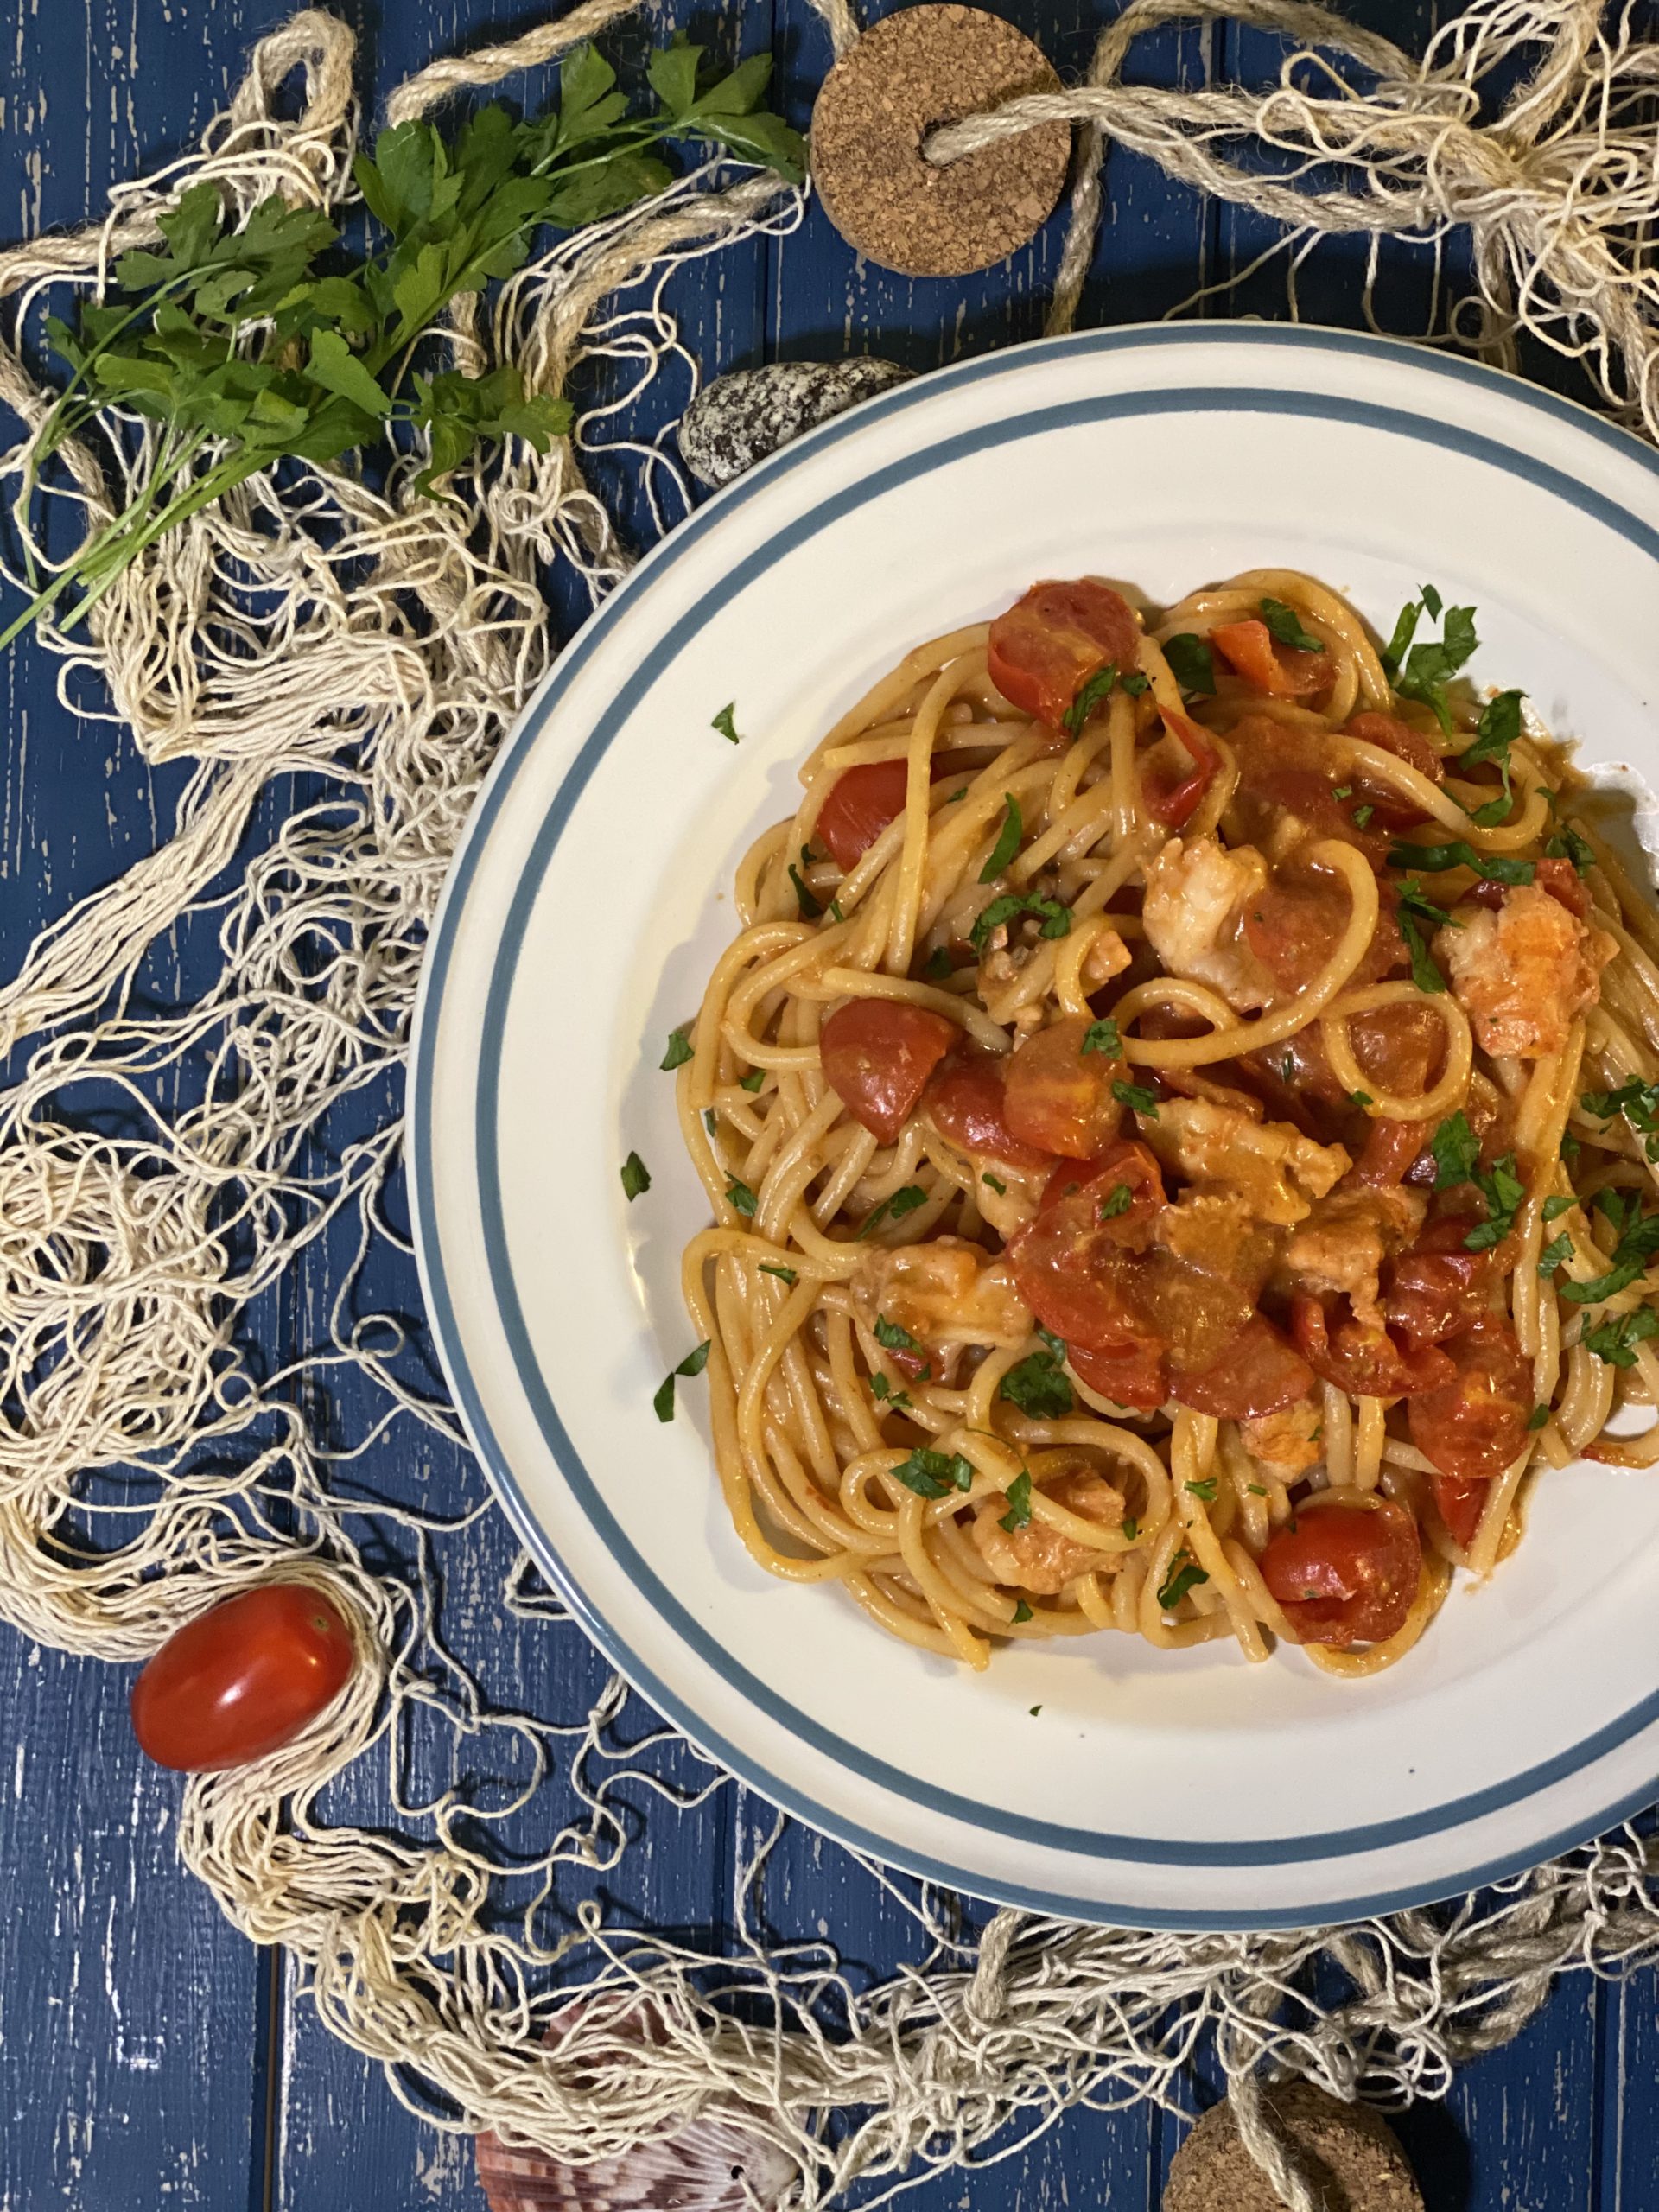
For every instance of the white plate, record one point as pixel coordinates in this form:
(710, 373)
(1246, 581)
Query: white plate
(591, 899)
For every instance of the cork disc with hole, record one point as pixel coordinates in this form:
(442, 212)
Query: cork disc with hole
(1348, 2152)
(914, 71)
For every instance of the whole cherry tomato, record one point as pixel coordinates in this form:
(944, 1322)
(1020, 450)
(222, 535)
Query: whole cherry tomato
(1344, 1574)
(878, 1055)
(242, 1679)
(1047, 646)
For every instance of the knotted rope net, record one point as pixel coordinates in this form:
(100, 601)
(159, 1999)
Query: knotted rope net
(333, 663)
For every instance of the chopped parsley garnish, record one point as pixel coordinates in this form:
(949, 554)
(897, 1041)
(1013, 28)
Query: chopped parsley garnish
(1538, 1416)
(939, 969)
(1032, 1711)
(1191, 661)
(1413, 900)
(1426, 976)
(1256, 1490)
(1422, 671)
(1007, 844)
(1117, 1200)
(636, 1177)
(1568, 845)
(725, 725)
(1615, 1340)
(1018, 1496)
(1038, 1388)
(1137, 1095)
(710, 1120)
(1362, 815)
(1022, 1613)
(893, 1207)
(693, 1363)
(1134, 684)
(955, 796)
(753, 1081)
(1554, 1208)
(1497, 729)
(1185, 1574)
(1131, 1527)
(1555, 1253)
(809, 906)
(784, 1274)
(741, 1197)
(1055, 918)
(835, 914)
(1205, 1491)
(1088, 696)
(1103, 1037)
(1638, 1239)
(1494, 867)
(996, 1184)
(1285, 625)
(1056, 1345)
(934, 1474)
(1457, 1152)
(891, 1338)
(1361, 1098)
(896, 1402)
(1504, 1194)
(1342, 790)
(1570, 1149)
(1637, 1101)
(679, 1049)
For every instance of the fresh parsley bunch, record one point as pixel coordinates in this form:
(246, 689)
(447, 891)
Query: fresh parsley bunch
(254, 345)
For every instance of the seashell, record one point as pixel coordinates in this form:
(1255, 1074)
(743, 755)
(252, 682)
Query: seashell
(710, 2166)
(742, 416)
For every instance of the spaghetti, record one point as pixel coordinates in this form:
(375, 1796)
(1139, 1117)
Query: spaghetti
(1177, 1114)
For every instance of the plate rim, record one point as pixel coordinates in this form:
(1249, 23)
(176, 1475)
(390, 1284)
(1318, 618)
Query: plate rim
(1377, 1836)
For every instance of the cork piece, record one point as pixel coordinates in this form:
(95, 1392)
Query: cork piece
(1349, 2154)
(914, 71)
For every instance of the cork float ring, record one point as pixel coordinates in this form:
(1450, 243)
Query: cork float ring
(915, 70)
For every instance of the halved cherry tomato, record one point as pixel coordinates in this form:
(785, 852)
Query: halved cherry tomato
(1461, 1506)
(1296, 770)
(1400, 739)
(1562, 881)
(1075, 1264)
(1437, 1288)
(878, 1055)
(861, 804)
(1475, 1425)
(1281, 671)
(1059, 1097)
(1130, 1378)
(1365, 1360)
(1174, 801)
(1347, 1574)
(242, 1679)
(1050, 643)
(1258, 1373)
(966, 1104)
(1295, 922)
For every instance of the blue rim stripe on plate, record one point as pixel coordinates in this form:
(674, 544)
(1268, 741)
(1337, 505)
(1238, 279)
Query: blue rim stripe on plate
(1136, 1849)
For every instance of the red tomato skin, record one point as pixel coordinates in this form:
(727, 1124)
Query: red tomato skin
(1050, 642)
(1365, 1362)
(1258, 1373)
(878, 1055)
(1344, 1574)
(1461, 1506)
(1399, 738)
(861, 804)
(1175, 803)
(966, 1102)
(242, 1679)
(1077, 1271)
(1132, 1379)
(1248, 648)
(1059, 1097)
(1562, 882)
(1475, 1425)
(1437, 1288)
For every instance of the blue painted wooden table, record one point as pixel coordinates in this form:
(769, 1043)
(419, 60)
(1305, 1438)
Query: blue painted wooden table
(149, 2055)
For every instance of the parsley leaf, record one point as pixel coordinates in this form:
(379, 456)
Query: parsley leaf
(1000, 1188)
(934, 1474)
(1426, 976)
(1342, 790)
(1504, 1194)
(636, 1177)
(1285, 625)
(1424, 671)
(1131, 1527)
(1493, 868)
(741, 1197)
(1134, 684)
(1362, 816)
(1103, 1037)
(1413, 901)
(1538, 1416)
(1022, 1613)
(1137, 1095)
(1056, 1345)
(1637, 1101)
(1191, 661)
(1018, 1496)
(1568, 844)
(939, 968)
(723, 722)
(784, 1274)
(1615, 1340)
(679, 1049)
(891, 1338)
(1007, 844)
(1361, 1098)
(1185, 1574)
(893, 1207)
(1055, 918)
(1117, 1200)
(753, 1081)
(1555, 1253)
(1038, 1388)
(896, 1402)
(1457, 1151)
(693, 1363)
(1638, 1239)
(809, 907)
(1090, 694)
(1554, 1208)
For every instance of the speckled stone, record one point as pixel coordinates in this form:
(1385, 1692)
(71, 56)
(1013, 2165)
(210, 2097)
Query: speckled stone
(1349, 2153)
(739, 419)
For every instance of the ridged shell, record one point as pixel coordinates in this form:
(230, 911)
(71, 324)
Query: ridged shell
(702, 2169)
(739, 418)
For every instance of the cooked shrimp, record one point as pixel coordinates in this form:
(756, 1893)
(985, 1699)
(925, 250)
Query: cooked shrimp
(1044, 1559)
(1345, 1239)
(1276, 1170)
(946, 1294)
(1521, 974)
(1195, 898)
(1285, 1443)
